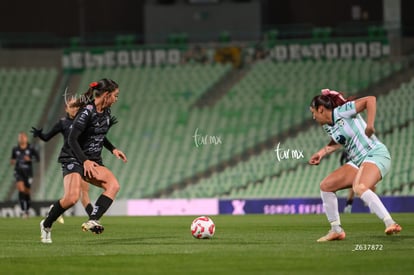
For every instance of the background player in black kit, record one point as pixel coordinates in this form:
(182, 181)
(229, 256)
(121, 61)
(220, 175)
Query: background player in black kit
(81, 157)
(22, 157)
(63, 127)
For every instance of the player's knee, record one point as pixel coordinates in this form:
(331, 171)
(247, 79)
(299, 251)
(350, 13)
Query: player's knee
(111, 187)
(70, 200)
(114, 187)
(113, 184)
(20, 186)
(359, 188)
(326, 186)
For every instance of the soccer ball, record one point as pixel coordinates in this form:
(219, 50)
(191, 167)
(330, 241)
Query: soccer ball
(203, 228)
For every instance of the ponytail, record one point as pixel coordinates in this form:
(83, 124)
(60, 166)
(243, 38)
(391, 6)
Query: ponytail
(337, 97)
(329, 99)
(96, 89)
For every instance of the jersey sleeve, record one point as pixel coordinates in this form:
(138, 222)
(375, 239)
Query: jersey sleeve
(108, 145)
(13, 154)
(56, 129)
(82, 119)
(78, 126)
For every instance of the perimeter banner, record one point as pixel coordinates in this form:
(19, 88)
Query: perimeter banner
(211, 206)
(306, 206)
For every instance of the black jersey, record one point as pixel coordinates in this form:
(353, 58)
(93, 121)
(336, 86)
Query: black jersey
(24, 159)
(87, 136)
(63, 126)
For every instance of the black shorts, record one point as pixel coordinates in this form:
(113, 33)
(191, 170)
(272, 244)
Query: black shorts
(74, 166)
(24, 177)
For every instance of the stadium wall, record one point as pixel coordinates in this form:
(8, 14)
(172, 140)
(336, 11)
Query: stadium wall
(45, 58)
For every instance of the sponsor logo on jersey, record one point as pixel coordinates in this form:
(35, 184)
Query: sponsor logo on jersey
(340, 139)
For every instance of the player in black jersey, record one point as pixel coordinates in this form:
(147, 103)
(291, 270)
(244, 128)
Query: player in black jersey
(22, 159)
(63, 127)
(81, 156)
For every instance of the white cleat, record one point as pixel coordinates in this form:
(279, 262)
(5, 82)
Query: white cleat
(94, 226)
(45, 235)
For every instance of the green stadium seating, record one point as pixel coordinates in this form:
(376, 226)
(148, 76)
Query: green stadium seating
(24, 92)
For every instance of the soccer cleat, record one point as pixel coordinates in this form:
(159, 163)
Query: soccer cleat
(348, 209)
(45, 234)
(332, 236)
(94, 226)
(393, 229)
(60, 219)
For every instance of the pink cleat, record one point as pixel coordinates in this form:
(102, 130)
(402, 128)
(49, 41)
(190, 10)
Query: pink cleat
(393, 229)
(332, 236)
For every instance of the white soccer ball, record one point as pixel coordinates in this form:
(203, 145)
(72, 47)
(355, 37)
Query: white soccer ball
(203, 228)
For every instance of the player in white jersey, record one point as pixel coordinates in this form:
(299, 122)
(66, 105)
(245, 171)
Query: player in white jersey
(369, 159)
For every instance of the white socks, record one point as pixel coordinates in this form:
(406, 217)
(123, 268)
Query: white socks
(376, 206)
(330, 205)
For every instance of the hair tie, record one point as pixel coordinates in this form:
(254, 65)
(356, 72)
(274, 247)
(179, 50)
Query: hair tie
(329, 92)
(93, 84)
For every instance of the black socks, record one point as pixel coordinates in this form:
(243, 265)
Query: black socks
(89, 209)
(24, 200)
(102, 204)
(53, 214)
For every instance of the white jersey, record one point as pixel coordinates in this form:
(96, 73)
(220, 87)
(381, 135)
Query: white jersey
(348, 129)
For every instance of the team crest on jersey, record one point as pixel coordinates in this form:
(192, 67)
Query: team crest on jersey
(89, 107)
(70, 166)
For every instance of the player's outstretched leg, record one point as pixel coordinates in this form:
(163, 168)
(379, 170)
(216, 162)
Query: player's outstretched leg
(377, 207)
(330, 204)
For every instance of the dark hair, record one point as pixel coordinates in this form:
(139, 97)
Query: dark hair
(329, 100)
(96, 89)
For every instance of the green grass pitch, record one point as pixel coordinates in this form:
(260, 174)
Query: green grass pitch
(251, 244)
